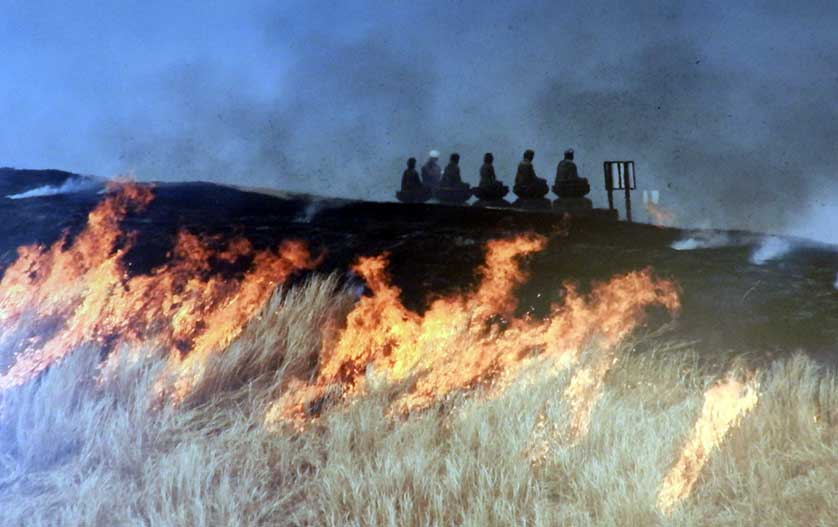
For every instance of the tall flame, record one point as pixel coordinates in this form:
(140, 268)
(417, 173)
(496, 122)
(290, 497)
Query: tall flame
(724, 404)
(469, 339)
(54, 299)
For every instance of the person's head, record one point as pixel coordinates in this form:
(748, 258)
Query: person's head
(411, 162)
(455, 158)
(568, 154)
(488, 158)
(529, 155)
(433, 154)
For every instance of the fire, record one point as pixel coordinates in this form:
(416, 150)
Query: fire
(660, 216)
(54, 299)
(724, 404)
(582, 394)
(469, 339)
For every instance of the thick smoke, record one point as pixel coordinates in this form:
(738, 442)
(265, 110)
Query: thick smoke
(728, 111)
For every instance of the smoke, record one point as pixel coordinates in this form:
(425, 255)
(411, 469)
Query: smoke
(69, 186)
(818, 220)
(734, 126)
(703, 240)
(771, 248)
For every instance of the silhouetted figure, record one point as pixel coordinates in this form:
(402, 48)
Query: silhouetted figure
(410, 177)
(431, 173)
(452, 189)
(490, 189)
(451, 176)
(527, 184)
(487, 171)
(568, 184)
(413, 191)
(570, 188)
(567, 168)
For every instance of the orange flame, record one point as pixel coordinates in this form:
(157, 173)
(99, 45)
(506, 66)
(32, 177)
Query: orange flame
(54, 299)
(582, 394)
(724, 404)
(469, 339)
(660, 216)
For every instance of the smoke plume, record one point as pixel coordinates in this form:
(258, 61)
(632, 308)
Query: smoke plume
(70, 186)
(735, 126)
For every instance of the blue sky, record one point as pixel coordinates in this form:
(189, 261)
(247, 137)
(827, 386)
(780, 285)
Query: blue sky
(730, 111)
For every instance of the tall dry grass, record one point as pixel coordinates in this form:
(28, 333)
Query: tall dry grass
(79, 450)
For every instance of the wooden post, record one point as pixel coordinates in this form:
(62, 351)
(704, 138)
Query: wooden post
(627, 170)
(609, 183)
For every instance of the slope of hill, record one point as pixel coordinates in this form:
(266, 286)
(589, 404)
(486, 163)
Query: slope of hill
(729, 302)
(24, 182)
(203, 355)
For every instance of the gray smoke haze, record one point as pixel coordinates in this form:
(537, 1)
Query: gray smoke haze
(729, 111)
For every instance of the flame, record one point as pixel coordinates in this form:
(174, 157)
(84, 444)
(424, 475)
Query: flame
(54, 299)
(660, 216)
(724, 404)
(468, 339)
(582, 394)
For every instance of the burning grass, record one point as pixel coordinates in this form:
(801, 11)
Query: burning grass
(473, 338)
(55, 299)
(312, 407)
(78, 451)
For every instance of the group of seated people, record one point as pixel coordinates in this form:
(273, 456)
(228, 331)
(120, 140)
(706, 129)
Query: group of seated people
(448, 186)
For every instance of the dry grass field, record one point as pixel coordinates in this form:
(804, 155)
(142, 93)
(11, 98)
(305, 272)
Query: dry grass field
(92, 446)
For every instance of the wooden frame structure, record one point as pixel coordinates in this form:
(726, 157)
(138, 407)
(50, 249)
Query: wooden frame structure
(620, 175)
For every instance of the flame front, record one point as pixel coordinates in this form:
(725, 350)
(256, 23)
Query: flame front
(724, 404)
(469, 339)
(54, 299)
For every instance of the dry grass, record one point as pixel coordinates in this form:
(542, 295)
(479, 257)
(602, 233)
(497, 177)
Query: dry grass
(74, 451)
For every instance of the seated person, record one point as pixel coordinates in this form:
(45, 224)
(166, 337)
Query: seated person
(451, 175)
(410, 177)
(527, 184)
(567, 168)
(431, 173)
(452, 189)
(413, 191)
(490, 188)
(568, 183)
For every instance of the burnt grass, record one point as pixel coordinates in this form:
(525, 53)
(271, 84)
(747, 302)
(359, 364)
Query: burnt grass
(731, 307)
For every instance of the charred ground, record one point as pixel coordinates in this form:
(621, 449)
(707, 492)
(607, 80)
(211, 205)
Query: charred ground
(731, 306)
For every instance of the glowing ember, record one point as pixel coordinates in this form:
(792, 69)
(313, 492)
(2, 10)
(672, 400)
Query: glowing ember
(724, 404)
(471, 339)
(659, 215)
(54, 299)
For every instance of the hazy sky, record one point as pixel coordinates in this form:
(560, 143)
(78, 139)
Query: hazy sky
(731, 111)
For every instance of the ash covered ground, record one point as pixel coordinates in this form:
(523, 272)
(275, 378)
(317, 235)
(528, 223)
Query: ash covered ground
(732, 302)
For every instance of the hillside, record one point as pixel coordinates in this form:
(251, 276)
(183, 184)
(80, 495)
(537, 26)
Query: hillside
(729, 303)
(204, 355)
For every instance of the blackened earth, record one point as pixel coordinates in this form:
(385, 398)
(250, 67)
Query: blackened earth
(731, 307)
